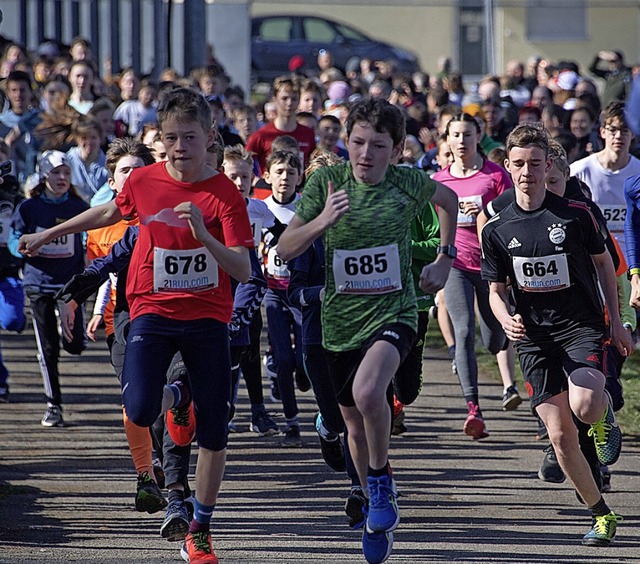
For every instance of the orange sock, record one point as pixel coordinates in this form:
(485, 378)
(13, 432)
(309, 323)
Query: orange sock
(140, 445)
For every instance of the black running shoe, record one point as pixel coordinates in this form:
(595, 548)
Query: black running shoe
(550, 470)
(356, 508)
(332, 451)
(149, 498)
(511, 399)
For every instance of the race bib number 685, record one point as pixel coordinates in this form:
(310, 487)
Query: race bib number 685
(367, 271)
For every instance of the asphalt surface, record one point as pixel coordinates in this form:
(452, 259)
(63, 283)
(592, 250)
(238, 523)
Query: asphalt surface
(66, 495)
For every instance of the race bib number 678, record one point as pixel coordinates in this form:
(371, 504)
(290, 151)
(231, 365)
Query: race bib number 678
(192, 270)
(367, 271)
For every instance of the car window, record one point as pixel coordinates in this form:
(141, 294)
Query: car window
(318, 31)
(275, 29)
(350, 33)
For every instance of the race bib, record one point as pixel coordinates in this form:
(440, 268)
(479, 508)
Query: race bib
(542, 274)
(367, 271)
(467, 220)
(614, 214)
(276, 267)
(5, 227)
(60, 247)
(193, 270)
(256, 229)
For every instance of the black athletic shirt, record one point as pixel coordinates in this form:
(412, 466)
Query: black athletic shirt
(573, 191)
(546, 254)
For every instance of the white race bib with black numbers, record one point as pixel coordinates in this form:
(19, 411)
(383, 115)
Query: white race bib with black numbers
(5, 227)
(276, 267)
(256, 229)
(467, 220)
(60, 247)
(542, 274)
(614, 214)
(367, 271)
(192, 270)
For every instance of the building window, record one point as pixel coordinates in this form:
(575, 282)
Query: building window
(546, 22)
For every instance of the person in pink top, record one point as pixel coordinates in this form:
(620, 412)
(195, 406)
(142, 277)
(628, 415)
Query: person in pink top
(476, 181)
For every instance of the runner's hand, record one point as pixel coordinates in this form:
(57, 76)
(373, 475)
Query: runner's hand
(67, 318)
(335, 207)
(514, 328)
(434, 276)
(193, 214)
(621, 339)
(29, 244)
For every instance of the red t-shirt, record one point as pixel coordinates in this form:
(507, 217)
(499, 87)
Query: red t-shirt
(172, 274)
(260, 142)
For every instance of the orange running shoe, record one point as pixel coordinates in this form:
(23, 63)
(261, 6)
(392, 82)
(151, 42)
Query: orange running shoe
(181, 424)
(197, 549)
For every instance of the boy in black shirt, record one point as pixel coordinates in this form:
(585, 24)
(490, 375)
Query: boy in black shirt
(553, 254)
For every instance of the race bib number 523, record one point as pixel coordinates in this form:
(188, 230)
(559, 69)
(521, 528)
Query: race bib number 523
(367, 271)
(193, 270)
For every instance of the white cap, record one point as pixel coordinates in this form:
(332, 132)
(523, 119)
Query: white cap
(50, 160)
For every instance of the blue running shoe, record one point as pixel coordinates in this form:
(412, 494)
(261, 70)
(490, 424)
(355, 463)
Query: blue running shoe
(383, 507)
(603, 531)
(376, 547)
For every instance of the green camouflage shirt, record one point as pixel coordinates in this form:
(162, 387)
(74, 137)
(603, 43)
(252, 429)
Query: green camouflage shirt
(368, 252)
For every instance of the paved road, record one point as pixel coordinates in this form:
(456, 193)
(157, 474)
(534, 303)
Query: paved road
(66, 494)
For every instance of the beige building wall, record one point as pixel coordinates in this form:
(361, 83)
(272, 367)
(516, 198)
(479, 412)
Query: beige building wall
(608, 28)
(429, 27)
(427, 31)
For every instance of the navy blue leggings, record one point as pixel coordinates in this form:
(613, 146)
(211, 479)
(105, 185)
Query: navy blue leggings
(204, 343)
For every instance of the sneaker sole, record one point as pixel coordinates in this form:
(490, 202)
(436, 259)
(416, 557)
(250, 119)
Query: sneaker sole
(597, 542)
(150, 503)
(174, 530)
(475, 429)
(267, 433)
(512, 403)
(50, 425)
(551, 481)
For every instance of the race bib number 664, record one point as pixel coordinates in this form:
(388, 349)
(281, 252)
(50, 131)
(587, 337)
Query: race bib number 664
(367, 271)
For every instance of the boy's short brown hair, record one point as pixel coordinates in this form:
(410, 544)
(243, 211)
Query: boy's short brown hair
(124, 146)
(284, 157)
(286, 82)
(614, 111)
(184, 104)
(526, 135)
(238, 154)
(84, 124)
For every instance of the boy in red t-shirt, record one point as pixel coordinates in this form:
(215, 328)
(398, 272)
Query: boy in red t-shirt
(194, 234)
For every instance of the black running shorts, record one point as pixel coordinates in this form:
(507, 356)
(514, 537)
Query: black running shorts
(344, 365)
(547, 363)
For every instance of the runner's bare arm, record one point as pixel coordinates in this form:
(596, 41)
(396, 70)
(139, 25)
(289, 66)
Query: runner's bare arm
(93, 218)
(434, 275)
(233, 260)
(512, 325)
(298, 235)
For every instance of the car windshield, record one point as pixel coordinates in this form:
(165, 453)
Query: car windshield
(350, 33)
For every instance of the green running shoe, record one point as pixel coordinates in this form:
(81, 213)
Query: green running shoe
(603, 531)
(607, 436)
